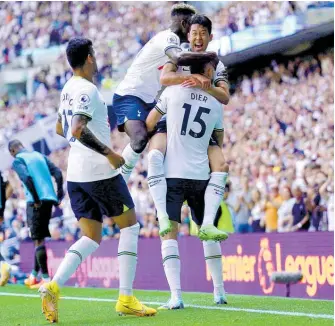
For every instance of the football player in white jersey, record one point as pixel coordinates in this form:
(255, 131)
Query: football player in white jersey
(199, 37)
(94, 184)
(193, 116)
(135, 96)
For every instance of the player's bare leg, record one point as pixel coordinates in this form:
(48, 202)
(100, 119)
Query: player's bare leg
(157, 181)
(76, 254)
(171, 263)
(214, 195)
(138, 134)
(127, 303)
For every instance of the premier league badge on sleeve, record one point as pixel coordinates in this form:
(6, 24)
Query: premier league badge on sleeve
(84, 101)
(172, 39)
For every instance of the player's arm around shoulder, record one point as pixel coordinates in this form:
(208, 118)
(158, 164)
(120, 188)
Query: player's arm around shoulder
(220, 90)
(169, 75)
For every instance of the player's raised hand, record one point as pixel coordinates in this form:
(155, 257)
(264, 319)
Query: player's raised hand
(115, 160)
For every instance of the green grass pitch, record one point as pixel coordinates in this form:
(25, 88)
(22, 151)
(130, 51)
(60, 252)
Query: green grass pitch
(89, 306)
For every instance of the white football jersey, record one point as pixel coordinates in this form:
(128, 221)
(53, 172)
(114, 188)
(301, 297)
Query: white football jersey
(142, 78)
(79, 96)
(191, 115)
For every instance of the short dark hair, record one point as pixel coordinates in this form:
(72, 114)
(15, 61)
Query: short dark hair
(14, 144)
(201, 20)
(199, 67)
(77, 51)
(182, 9)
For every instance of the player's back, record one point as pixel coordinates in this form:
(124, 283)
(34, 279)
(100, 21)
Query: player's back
(192, 116)
(142, 78)
(79, 96)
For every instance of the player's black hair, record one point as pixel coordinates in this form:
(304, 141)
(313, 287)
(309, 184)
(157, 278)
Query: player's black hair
(199, 67)
(201, 20)
(77, 51)
(182, 9)
(13, 144)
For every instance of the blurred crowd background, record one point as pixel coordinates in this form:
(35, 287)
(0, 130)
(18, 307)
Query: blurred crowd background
(279, 136)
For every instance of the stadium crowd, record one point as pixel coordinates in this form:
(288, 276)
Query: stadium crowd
(281, 119)
(116, 25)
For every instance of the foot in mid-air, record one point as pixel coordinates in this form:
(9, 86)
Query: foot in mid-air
(172, 305)
(220, 299)
(5, 273)
(165, 226)
(129, 305)
(49, 293)
(210, 232)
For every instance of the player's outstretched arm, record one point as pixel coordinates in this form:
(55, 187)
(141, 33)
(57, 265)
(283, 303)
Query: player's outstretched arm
(81, 132)
(59, 127)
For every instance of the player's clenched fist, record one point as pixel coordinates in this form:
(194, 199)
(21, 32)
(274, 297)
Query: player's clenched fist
(115, 160)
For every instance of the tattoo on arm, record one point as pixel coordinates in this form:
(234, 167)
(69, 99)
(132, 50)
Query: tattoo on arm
(86, 137)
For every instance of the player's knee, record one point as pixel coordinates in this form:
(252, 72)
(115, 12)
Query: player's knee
(155, 157)
(140, 142)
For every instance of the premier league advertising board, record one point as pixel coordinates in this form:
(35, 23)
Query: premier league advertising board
(248, 262)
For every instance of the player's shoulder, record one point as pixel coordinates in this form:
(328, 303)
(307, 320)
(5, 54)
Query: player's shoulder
(168, 37)
(220, 66)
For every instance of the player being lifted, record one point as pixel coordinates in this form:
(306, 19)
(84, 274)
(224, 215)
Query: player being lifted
(135, 95)
(193, 116)
(94, 184)
(199, 37)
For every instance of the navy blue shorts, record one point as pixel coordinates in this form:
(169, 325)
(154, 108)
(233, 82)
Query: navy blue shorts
(193, 191)
(109, 197)
(129, 107)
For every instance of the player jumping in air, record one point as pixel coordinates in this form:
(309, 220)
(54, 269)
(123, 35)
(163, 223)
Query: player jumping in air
(135, 95)
(199, 37)
(193, 116)
(94, 184)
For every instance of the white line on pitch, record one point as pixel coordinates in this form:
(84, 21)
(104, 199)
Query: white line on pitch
(256, 311)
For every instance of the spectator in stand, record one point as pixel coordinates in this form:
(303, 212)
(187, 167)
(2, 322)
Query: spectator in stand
(257, 217)
(241, 206)
(273, 202)
(300, 219)
(285, 209)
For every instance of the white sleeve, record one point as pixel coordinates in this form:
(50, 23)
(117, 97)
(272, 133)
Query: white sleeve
(161, 105)
(219, 122)
(171, 41)
(83, 102)
(220, 73)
